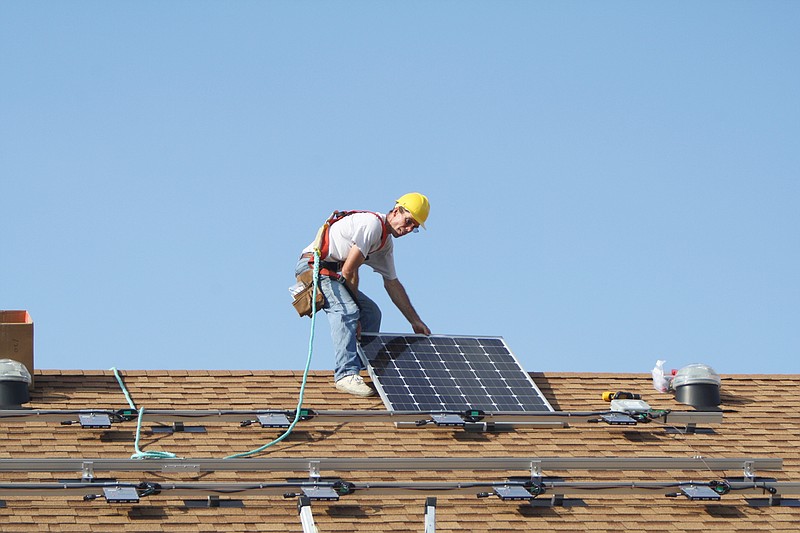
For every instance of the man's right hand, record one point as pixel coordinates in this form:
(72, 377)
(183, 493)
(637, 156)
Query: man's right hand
(421, 328)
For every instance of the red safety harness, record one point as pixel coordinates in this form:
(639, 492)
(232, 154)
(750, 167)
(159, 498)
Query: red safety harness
(329, 268)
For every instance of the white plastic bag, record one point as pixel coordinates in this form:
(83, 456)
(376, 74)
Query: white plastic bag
(660, 381)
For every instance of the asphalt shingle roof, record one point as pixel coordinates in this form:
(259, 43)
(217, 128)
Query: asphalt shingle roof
(760, 420)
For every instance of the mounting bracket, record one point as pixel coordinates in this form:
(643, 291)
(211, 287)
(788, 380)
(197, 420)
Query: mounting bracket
(749, 471)
(313, 471)
(689, 429)
(212, 501)
(178, 427)
(87, 471)
(536, 471)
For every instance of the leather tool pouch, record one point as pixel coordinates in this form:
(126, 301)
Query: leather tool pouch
(302, 300)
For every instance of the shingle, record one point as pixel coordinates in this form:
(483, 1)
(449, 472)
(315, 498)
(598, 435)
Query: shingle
(759, 421)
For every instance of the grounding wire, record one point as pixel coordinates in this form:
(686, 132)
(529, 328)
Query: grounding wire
(297, 415)
(698, 455)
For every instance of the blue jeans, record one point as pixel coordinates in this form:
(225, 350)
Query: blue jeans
(343, 316)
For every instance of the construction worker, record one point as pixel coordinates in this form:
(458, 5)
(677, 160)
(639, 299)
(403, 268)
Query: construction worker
(351, 239)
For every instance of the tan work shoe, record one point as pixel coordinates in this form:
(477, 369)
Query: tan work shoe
(354, 384)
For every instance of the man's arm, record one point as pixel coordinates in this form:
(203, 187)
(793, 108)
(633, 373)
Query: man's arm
(350, 269)
(400, 298)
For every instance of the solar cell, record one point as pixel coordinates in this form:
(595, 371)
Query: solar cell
(448, 373)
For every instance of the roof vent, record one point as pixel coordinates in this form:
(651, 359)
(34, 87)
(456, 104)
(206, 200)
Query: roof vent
(697, 385)
(14, 382)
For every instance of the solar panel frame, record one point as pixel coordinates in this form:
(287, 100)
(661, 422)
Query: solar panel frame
(448, 373)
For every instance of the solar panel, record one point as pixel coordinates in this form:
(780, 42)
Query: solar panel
(449, 373)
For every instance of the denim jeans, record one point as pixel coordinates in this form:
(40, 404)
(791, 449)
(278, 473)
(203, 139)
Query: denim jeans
(343, 316)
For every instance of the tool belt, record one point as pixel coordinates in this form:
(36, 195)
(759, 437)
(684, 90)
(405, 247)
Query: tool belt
(302, 300)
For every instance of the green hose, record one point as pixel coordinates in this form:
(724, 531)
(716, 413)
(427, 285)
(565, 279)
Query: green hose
(305, 372)
(167, 455)
(140, 412)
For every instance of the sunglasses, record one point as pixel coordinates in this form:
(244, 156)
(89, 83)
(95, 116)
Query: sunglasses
(410, 222)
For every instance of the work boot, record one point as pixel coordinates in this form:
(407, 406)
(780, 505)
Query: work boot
(354, 384)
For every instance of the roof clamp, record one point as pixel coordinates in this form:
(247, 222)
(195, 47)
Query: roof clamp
(313, 471)
(749, 471)
(87, 469)
(536, 471)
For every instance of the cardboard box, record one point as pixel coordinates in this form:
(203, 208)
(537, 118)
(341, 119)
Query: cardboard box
(16, 338)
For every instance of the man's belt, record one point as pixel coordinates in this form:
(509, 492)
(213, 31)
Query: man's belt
(326, 268)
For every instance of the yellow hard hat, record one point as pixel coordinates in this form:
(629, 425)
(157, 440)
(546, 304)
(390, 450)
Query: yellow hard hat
(417, 204)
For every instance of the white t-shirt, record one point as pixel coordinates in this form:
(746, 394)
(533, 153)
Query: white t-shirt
(363, 230)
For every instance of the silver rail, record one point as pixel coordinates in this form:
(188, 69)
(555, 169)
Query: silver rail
(388, 464)
(169, 416)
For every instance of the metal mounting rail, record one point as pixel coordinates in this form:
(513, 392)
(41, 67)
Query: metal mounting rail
(169, 416)
(384, 464)
(482, 488)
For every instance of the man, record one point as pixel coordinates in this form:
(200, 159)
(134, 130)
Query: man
(353, 239)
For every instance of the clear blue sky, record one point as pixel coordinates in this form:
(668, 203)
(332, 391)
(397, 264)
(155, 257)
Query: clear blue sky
(611, 183)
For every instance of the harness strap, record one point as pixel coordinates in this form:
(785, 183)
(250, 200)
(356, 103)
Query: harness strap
(326, 268)
(322, 242)
(330, 273)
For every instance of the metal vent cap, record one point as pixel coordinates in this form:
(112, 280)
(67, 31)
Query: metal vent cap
(696, 374)
(11, 370)
(697, 385)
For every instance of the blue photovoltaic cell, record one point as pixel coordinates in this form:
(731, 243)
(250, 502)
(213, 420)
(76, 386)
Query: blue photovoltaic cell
(419, 373)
